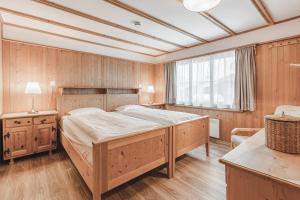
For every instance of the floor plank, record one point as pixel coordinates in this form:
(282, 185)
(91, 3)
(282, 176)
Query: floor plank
(54, 177)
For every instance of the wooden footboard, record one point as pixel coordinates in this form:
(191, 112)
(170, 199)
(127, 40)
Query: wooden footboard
(120, 160)
(190, 135)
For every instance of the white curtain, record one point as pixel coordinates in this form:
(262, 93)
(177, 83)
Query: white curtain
(206, 81)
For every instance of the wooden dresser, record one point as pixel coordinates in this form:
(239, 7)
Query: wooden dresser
(254, 171)
(25, 134)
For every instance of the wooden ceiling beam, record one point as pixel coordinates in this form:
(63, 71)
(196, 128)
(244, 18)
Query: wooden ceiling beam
(103, 21)
(263, 11)
(154, 19)
(77, 28)
(73, 38)
(217, 23)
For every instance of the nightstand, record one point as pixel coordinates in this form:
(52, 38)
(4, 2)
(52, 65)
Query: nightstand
(26, 134)
(155, 105)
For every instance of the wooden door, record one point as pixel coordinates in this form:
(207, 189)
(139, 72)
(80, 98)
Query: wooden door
(44, 137)
(17, 142)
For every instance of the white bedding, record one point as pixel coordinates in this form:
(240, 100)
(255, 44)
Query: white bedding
(82, 130)
(163, 117)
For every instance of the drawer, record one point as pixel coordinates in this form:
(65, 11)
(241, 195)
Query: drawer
(44, 120)
(11, 123)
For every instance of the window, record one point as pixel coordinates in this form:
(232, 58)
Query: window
(206, 81)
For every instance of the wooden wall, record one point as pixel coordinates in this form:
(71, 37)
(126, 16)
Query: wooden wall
(159, 84)
(25, 62)
(1, 73)
(277, 84)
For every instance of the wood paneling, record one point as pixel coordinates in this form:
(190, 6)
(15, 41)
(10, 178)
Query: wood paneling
(277, 84)
(159, 84)
(25, 62)
(1, 69)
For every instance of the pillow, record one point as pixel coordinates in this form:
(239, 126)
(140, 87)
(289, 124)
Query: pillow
(82, 111)
(128, 107)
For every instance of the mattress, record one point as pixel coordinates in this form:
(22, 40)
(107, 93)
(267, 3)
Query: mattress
(163, 117)
(83, 130)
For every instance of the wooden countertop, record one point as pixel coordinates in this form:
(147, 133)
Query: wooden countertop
(254, 156)
(26, 114)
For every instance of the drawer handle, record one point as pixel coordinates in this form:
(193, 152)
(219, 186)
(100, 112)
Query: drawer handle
(17, 122)
(6, 136)
(22, 146)
(35, 139)
(43, 121)
(7, 151)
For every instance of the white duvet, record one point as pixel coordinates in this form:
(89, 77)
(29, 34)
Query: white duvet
(163, 117)
(87, 128)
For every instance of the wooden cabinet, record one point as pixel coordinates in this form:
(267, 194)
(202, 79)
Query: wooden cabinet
(25, 134)
(17, 141)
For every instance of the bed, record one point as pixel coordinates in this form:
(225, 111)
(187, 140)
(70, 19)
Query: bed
(114, 159)
(189, 131)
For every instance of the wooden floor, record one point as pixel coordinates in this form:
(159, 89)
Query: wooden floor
(54, 177)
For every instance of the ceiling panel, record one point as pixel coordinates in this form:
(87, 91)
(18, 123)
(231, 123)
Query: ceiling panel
(36, 9)
(120, 16)
(30, 23)
(14, 33)
(239, 15)
(173, 12)
(282, 9)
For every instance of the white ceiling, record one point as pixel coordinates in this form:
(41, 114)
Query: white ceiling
(120, 38)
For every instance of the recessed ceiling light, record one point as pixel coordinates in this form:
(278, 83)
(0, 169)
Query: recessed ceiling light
(200, 5)
(137, 23)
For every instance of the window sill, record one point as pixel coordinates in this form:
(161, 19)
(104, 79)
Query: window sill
(207, 108)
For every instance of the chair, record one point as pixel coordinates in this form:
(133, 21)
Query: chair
(239, 135)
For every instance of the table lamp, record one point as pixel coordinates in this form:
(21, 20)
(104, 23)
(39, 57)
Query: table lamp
(33, 88)
(150, 89)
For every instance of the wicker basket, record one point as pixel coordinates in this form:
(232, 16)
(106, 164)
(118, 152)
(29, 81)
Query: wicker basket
(283, 133)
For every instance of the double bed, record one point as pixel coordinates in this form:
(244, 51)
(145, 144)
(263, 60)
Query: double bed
(189, 130)
(111, 148)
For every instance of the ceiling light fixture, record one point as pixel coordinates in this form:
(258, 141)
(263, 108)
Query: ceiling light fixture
(200, 5)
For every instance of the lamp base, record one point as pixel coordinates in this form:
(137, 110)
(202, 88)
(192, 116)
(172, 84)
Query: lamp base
(33, 112)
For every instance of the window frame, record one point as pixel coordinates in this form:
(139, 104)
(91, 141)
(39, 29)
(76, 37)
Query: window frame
(213, 105)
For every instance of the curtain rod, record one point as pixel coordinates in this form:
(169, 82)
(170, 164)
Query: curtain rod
(239, 47)
(214, 52)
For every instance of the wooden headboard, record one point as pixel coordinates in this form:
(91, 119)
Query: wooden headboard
(115, 100)
(108, 99)
(66, 103)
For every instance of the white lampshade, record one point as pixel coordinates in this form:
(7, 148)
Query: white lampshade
(150, 89)
(200, 5)
(33, 88)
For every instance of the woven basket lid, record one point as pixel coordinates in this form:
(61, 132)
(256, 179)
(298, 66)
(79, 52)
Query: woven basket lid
(283, 118)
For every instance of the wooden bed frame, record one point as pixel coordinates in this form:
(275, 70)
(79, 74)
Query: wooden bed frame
(191, 134)
(120, 159)
(188, 135)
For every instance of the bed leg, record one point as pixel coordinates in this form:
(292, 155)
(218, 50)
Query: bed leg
(96, 197)
(97, 171)
(170, 169)
(171, 163)
(207, 149)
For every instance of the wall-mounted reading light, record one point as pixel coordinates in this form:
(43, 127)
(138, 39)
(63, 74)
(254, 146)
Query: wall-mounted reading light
(294, 65)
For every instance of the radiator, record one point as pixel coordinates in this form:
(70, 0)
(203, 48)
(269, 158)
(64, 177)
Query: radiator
(214, 128)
